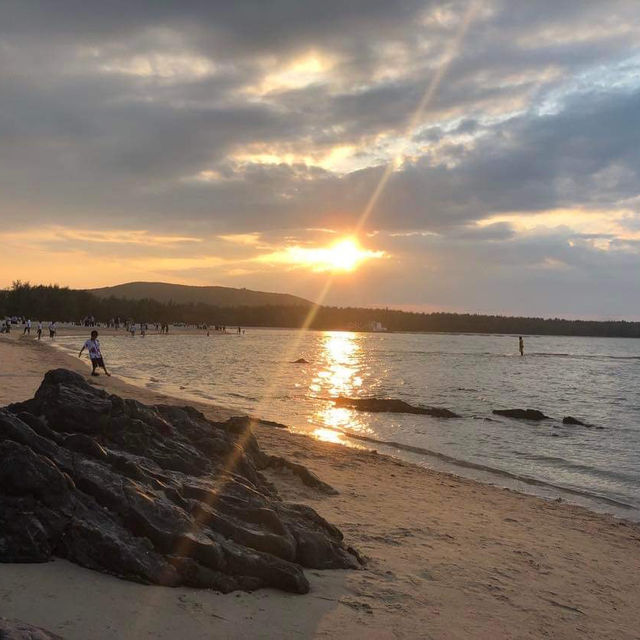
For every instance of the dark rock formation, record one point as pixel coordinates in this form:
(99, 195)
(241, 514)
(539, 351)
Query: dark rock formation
(521, 414)
(307, 477)
(570, 420)
(271, 423)
(300, 361)
(155, 494)
(574, 421)
(391, 405)
(14, 630)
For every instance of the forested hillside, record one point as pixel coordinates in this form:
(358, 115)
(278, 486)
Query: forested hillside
(185, 294)
(52, 302)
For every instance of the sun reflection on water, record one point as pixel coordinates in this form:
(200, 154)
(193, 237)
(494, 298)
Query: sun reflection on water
(339, 375)
(328, 435)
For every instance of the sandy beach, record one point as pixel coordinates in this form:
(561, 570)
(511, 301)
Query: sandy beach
(446, 557)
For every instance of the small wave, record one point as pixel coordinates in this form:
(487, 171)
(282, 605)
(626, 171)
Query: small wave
(567, 465)
(498, 472)
(581, 356)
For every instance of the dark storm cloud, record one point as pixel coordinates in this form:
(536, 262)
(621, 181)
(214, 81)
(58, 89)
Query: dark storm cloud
(219, 26)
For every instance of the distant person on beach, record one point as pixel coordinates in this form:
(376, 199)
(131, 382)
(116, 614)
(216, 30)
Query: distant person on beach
(95, 355)
(521, 345)
(52, 330)
(39, 329)
(27, 327)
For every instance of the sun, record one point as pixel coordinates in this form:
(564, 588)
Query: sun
(344, 255)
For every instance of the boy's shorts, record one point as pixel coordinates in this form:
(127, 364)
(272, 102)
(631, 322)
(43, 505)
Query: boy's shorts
(97, 362)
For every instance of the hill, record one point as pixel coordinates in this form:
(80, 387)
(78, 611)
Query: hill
(51, 302)
(213, 296)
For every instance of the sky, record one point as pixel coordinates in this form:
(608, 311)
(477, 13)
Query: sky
(482, 156)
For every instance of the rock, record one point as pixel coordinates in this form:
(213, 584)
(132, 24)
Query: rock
(300, 361)
(154, 494)
(26, 473)
(308, 478)
(521, 414)
(14, 630)
(574, 421)
(570, 420)
(84, 444)
(391, 405)
(271, 423)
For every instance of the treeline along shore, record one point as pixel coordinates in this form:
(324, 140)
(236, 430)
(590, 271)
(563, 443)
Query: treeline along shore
(52, 302)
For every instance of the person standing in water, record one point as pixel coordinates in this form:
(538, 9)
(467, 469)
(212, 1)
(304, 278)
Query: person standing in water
(95, 355)
(521, 345)
(39, 329)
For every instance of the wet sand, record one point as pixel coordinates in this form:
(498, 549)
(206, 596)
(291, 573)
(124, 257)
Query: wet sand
(446, 557)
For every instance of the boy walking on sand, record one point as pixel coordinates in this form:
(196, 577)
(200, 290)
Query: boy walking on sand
(95, 355)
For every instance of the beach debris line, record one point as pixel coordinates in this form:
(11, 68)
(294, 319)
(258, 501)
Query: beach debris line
(391, 405)
(154, 494)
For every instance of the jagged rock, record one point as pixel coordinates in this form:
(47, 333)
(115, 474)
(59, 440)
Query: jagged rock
(570, 420)
(155, 494)
(15, 630)
(308, 478)
(574, 421)
(391, 405)
(521, 414)
(271, 423)
(84, 444)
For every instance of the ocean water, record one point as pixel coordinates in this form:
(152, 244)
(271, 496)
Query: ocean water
(596, 380)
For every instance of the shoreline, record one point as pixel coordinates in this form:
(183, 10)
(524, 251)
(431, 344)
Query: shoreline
(418, 455)
(448, 557)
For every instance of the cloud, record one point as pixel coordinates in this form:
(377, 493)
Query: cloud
(253, 121)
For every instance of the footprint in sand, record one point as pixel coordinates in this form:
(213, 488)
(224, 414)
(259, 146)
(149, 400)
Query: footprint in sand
(361, 607)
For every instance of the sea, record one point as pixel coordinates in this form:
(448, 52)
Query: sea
(596, 380)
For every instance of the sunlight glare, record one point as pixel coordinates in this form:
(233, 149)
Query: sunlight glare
(340, 375)
(345, 255)
(328, 435)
